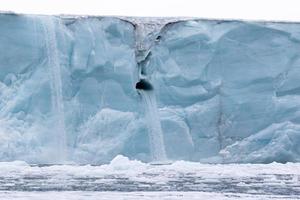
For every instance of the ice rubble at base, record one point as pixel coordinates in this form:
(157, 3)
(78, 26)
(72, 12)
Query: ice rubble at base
(123, 175)
(136, 170)
(227, 91)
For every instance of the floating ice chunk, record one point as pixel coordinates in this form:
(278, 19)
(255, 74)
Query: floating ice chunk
(120, 163)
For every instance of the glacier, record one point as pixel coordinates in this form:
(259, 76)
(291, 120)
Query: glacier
(224, 91)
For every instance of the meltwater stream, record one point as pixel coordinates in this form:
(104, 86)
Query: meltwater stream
(154, 127)
(145, 36)
(59, 130)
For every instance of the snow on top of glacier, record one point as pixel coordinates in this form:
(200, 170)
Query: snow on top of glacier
(155, 19)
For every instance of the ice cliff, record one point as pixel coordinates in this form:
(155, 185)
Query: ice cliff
(223, 91)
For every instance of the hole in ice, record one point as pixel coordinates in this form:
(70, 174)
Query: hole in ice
(143, 85)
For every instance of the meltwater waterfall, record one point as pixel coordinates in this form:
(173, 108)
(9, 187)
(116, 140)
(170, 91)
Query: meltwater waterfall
(59, 130)
(154, 127)
(145, 35)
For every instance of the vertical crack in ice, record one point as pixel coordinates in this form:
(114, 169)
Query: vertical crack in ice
(59, 131)
(220, 126)
(92, 51)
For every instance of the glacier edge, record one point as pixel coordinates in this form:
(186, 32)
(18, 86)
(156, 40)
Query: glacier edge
(227, 91)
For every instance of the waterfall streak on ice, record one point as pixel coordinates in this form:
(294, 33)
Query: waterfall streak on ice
(154, 127)
(59, 131)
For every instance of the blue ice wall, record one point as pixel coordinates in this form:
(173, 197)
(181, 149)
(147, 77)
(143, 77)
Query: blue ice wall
(233, 87)
(226, 91)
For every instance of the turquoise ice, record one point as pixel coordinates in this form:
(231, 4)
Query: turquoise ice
(224, 91)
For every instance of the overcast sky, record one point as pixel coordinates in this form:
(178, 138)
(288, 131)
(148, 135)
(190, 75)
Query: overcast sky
(283, 10)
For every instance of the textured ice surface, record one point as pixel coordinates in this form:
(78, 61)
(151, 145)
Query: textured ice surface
(226, 91)
(136, 196)
(125, 179)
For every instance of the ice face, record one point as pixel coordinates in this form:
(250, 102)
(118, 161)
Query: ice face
(67, 79)
(226, 91)
(228, 82)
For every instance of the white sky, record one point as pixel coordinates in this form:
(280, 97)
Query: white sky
(283, 10)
